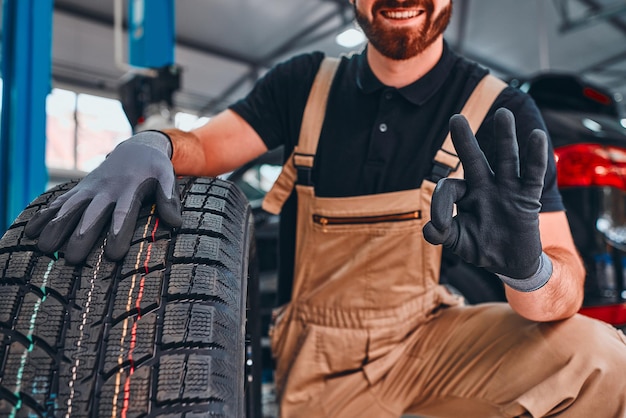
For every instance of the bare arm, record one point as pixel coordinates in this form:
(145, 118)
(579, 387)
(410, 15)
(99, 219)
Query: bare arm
(224, 143)
(562, 296)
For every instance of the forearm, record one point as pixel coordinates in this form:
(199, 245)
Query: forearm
(188, 157)
(561, 297)
(220, 146)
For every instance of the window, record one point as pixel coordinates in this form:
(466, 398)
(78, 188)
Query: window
(187, 121)
(101, 125)
(82, 129)
(61, 130)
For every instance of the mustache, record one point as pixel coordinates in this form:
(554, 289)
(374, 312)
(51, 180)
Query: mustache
(427, 5)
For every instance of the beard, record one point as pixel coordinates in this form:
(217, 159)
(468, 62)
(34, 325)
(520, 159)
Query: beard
(402, 44)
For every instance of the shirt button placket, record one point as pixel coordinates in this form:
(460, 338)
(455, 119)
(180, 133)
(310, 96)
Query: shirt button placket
(387, 96)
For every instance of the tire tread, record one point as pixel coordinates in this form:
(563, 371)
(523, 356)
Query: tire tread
(158, 333)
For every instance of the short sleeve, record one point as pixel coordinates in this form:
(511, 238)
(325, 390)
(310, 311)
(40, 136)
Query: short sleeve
(275, 105)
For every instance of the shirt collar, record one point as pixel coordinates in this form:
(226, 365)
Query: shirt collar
(419, 91)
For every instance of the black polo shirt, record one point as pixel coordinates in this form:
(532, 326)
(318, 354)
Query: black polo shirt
(375, 138)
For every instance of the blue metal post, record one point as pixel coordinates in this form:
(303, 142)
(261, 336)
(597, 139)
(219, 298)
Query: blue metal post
(26, 68)
(151, 33)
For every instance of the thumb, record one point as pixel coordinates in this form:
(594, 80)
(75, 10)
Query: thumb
(433, 235)
(442, 229)
(446, 194)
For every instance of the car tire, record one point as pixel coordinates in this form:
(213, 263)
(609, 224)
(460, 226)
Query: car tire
(159, 333)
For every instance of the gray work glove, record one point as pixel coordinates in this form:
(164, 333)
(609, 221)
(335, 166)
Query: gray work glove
(136, 171)
(497, 221)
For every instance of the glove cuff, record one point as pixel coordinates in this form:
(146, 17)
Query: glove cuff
(155, 139)
(534, 282)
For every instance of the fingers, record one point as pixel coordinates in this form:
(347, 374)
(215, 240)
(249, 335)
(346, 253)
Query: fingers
(169, 206)
(442, 229)
(59, 229)
(39, 221)
(124, 219)
(122, 230)
(474, 162)
(535, 163)
(43, 217)
(125, 213)
(506, 166)
(93, 222)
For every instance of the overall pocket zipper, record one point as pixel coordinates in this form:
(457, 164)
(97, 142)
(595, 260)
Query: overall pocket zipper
(359, 220)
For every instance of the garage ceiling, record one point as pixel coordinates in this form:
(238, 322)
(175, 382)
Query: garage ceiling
(223, 46)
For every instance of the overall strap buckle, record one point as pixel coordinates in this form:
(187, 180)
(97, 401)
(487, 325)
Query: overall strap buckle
(442, 167)
(303, 164)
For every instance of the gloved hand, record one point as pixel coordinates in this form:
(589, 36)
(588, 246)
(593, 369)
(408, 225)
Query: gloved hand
(137, 170)
(497, 221)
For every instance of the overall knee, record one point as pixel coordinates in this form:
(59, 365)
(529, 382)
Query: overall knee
(600, 350)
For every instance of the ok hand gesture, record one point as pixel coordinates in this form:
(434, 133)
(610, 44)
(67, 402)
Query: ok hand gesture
(497, 221)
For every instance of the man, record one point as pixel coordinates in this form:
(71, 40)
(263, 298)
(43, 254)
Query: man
(365, 330)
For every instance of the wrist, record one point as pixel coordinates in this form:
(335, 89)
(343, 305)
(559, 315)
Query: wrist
(534, 282)
(155, 139)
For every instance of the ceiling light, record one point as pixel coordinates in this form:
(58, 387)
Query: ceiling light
(350, 38)
(623, 122)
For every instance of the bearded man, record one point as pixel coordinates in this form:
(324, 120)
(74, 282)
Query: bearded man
(369, 190)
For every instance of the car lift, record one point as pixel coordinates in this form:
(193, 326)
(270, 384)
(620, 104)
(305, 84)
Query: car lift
(26, 72)
(26, 67)
(147, 90)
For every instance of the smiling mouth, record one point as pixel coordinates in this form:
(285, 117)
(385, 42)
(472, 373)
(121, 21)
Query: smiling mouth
(401, 15)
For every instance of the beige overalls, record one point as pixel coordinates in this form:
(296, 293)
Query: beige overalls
(370, 332)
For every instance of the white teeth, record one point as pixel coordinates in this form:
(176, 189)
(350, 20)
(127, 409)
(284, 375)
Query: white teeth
(401, 15)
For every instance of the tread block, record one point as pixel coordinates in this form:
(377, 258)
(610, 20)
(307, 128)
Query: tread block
(203, 280)
(9, 302)
(205, 202)
(191, 377)
(144, 255)
(44, 317)
(200, 221)
(208, 249)
(28, 369)
(203, 326)
(126, 394)
(214, 188)
(148, 232)
(17, 236)
(18, 265)
(57, 276)
(129, 339)
(171, 377)
(144, 290)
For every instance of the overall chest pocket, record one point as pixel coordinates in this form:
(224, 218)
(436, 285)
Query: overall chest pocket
(374, 225)
(325, 220)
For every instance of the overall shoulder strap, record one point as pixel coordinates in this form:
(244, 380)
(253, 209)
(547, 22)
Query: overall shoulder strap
(315, 110)
(299, 165)
(475, 109)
